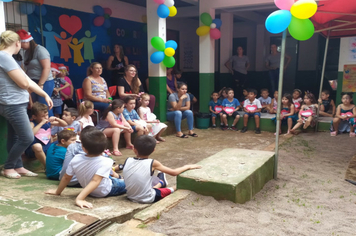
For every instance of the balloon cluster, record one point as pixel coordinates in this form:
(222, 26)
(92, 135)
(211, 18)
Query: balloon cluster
(103, 16)
(210, 25)
(294, 16)
(166, 8)
(165, 52)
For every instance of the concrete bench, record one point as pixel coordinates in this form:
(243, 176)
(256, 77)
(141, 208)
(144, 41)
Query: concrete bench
(232, 174)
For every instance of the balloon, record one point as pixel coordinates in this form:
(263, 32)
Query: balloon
(106, 16)
(215, 33)
(172, 11)
(169, 52)
(43, 10)
(107, 24)
(99, 21)
(301, 29)
(212, 26)
(278, 21)
(203, 30)
(98, 10)
(27, 8)
(217, 22)
(157, 57)
(163, 11)
(158, 43)
(169, 3)
(284, 4)
(206, 19)
(107, 11)
(169, 61)
(304, 9)
(171, 44)
(159, 1)
(6, 0)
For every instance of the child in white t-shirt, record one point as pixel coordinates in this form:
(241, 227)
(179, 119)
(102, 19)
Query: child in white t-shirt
(92, 171)
(252, 108)
(265, 100)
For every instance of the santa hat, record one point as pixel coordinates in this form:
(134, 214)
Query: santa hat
(54, 67)
(62, 68)
(67, 69)
(24, 35)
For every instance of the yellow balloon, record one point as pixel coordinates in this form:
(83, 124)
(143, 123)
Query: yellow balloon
(203, 30)
(172, 11)
(304, 9)
(169, 52)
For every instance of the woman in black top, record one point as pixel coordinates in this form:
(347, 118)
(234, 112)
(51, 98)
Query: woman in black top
(116, 63)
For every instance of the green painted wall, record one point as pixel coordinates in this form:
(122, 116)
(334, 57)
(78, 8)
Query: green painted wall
(158, 88)
(206, 87)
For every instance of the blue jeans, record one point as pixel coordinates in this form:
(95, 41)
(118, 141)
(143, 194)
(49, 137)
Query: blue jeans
(178, 116)
(274, 78)
(118, 187)
(19, 133)
(101, 106)
(48, 88)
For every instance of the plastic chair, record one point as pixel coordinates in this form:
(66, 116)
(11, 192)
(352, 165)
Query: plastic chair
(80, 96)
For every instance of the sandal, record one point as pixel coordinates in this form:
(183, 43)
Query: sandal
(193, 135)
(29, 174)
(333, 134)
(11, 176)
(130, 147)
(117, 153)
(182, 136)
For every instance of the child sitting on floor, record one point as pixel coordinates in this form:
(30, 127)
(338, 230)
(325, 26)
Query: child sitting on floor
(215, 102)
(69, 116)
(137, 124)
(86, 109)
(344, 117)
(265, 100)
(325, 104)
(56, 153)
(287, 113)
(145, 114)
(307, 113)
(41, 126)
(252, 108)
(113, 123)
(230, 107)
(139, 173)
(92, 171)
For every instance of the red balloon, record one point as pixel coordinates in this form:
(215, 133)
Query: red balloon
(99, 21)
(215, 33)
(107, 11)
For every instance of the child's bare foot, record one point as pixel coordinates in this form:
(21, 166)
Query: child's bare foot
(160, 139)
(157, 142)
(306, 124)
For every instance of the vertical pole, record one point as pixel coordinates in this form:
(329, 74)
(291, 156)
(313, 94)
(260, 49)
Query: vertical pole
(322, 77)
(41, 26)
(2, 17)
(280, 87)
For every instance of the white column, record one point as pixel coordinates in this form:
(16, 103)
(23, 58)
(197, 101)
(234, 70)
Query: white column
(227, 31)
(2, 17)
(206, 45)
(155, 27)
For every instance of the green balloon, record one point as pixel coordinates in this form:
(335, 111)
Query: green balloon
(169, 62)
(106, 16)
(301, 29)
(206, 19)
(158, 43)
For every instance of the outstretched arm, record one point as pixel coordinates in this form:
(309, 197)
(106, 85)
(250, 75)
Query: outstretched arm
(174, 172)
(94, 183)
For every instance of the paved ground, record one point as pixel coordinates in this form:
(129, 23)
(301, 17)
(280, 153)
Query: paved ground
(25, 209)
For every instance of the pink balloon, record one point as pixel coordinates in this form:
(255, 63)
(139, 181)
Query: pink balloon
(284, 4)
(215, 33)
(159, 1)
(99, 21)
(107, 11)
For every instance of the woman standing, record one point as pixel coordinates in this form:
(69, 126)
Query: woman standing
(14, 98)
(130, 85)
(178, 109)
(95, 87)
(171, 81)
(116, 63)
(238, 66)
(37, 66)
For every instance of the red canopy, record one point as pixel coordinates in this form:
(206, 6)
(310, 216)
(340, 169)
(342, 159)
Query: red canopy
(338, 16)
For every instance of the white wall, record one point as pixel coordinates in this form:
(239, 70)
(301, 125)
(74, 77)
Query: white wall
(344, 54)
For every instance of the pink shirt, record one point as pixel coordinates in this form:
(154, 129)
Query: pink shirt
(66, 91)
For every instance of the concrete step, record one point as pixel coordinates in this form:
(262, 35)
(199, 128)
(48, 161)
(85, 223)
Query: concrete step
(232, 174)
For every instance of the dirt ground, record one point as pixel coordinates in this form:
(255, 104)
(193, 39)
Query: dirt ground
(310, 196)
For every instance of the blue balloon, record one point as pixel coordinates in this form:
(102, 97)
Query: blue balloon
(27, 8)
(278, 21)
(6, 0)
(107, 24)
(217, 22)
(171, 44)
(163, 11)
(157, 57)
(98, 10)
(43, 10)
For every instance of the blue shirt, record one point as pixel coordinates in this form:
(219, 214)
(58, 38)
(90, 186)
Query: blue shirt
(132, 115)
(72, 150)
(212, 104)
(235, 103)
(54, 160)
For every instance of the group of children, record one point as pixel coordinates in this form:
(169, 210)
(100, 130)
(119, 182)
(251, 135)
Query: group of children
(295, 109)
